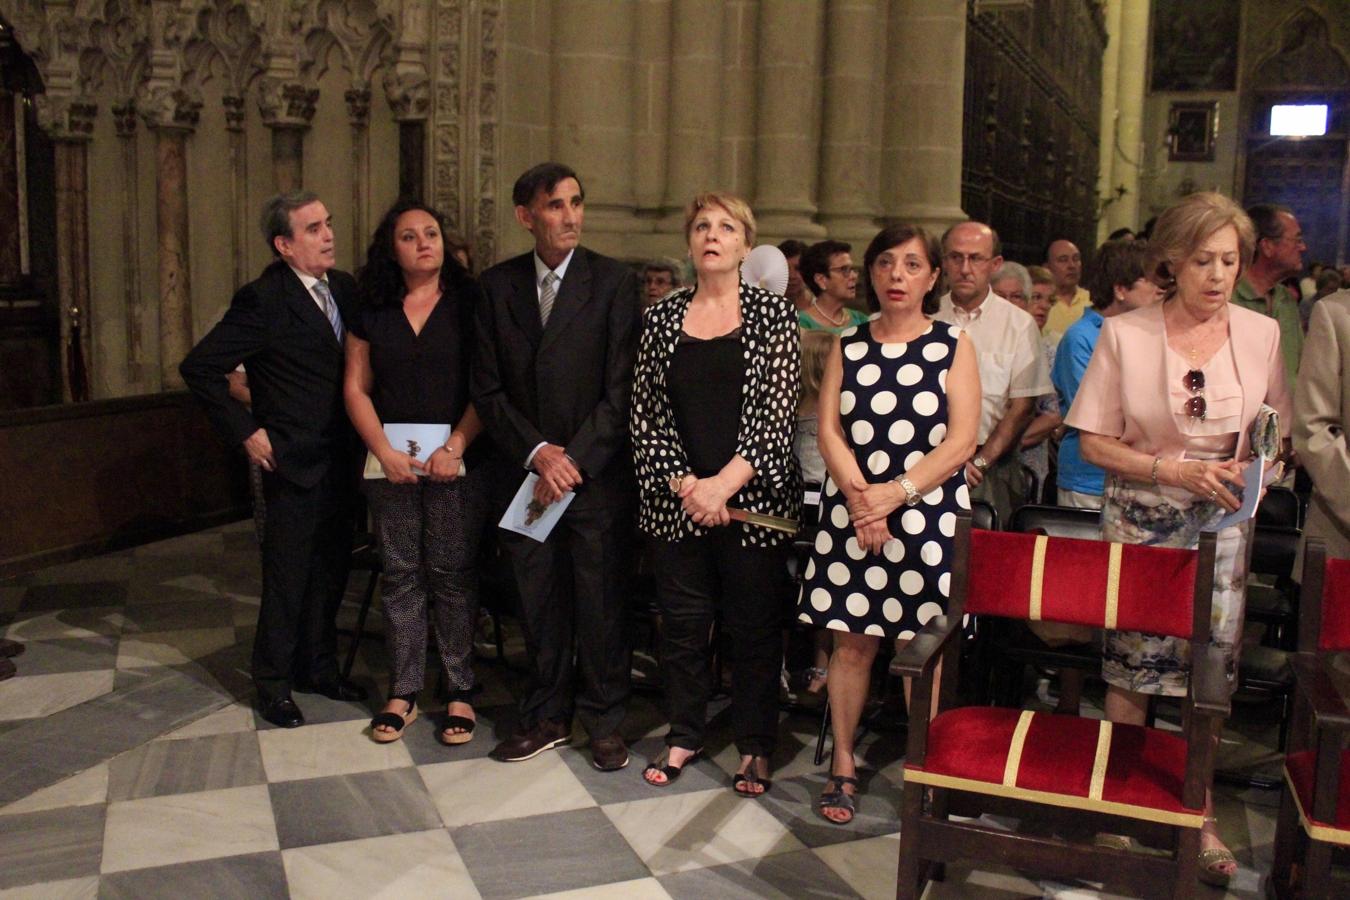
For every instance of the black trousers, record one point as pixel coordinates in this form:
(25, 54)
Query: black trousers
(574, 615)
(697, 578)
(306, 555)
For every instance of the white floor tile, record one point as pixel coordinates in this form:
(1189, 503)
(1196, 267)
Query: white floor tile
(639, 889)
(423, 864)
(867, 865)
(484, 790)
(159, 831)
(70, 889)
(35, 696)
(87, 788)
(171, 648)
(232, 718)
(338, 748)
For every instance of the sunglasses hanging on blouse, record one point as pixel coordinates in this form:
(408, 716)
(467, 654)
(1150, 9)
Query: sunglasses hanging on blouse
(1195, 383)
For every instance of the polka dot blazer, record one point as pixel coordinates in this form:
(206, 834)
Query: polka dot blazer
(768, 416)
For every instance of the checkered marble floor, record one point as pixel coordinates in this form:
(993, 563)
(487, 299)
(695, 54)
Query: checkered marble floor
(131, 765)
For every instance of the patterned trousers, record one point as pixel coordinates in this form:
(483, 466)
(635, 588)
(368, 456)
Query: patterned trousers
(428, 535)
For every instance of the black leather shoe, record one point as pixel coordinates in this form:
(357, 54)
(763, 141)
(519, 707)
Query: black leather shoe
(609, 754)
(337, 690)
(528, 744)
(282, 713)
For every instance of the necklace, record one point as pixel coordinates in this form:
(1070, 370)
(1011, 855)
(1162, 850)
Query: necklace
(836, 321)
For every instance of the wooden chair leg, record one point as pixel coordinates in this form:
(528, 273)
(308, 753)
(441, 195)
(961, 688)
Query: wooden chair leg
(1287, 835)
(359, 632)
(909, 884)
(1188, 864)
(1316, 874)
(824, 729)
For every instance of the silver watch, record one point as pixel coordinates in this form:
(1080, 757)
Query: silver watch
(912, 495)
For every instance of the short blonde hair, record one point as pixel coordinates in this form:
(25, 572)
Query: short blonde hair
(1040, 275)
(1182, 228)
(737, 208)
(815, 351)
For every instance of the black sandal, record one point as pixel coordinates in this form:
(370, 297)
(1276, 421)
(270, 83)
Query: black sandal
(751, 777)
(838, 798)
(394, 721)
(671, 772)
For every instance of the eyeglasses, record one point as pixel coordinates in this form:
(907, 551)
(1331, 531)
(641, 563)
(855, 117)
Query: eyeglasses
(842, 270)
(958, 260)
(1194, 381)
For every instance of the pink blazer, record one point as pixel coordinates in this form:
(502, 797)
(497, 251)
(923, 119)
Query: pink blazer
(1124, 395)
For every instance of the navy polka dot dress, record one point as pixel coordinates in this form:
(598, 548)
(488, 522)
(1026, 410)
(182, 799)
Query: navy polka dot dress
(893, 406)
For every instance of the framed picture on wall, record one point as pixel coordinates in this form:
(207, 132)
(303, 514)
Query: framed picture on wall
(1191, 127)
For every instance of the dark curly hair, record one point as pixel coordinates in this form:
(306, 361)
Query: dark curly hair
(380, 280)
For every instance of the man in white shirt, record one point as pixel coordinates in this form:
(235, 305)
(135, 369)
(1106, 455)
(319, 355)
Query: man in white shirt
(1013, 371)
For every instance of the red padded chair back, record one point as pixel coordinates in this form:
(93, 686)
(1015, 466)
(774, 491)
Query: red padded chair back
(1094, 583)
(1335, 631)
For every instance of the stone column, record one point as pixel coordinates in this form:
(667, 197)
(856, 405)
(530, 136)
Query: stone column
(1106, 154)
(695, 58)
(787, 122)
(138, 365)
(925, 84)
(651, 102)
(69, 121)
(172, 116)
(1124, 213)
(592, 104)
(737, 96)
(358, 113)
(234, 124)
(850, 188)
(287, 108)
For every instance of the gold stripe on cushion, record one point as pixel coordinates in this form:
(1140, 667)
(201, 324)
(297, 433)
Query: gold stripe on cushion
(1066, 801)
(1113, 586)
(1037, 577)
(1099, 761)
(1019, 739)
(1328, 833)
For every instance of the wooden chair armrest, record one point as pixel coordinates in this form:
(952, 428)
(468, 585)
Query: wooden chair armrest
(1314, 680)
(920, 655)
(1209, 682)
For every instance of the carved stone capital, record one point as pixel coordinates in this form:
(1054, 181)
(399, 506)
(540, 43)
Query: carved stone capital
(66, 118)
(170, 107)
(234, 112)
(286, 104)
(358, 106)
(409, 94)
(124, 117)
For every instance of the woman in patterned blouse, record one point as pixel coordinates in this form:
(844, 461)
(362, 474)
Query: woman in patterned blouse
(714, 401)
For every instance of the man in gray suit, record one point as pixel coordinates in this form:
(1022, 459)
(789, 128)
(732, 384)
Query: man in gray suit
(1321, 412)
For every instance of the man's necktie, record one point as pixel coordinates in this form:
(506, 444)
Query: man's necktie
(330, 308)
(547, 294)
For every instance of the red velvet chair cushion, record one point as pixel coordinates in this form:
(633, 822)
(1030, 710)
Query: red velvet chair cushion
(1335, 633)
(1298, 772)
(1155, 585)
(1139, 772)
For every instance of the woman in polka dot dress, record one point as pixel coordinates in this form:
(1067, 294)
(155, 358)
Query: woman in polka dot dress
(899, 406)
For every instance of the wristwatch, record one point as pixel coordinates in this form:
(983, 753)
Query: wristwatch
(912, 495)
(677, 481)
(980, 463)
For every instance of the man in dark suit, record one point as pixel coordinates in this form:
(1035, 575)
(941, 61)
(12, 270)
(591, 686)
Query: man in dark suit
(552, 381)
(286, 327)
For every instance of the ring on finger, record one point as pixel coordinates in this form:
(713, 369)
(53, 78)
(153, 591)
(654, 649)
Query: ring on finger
(1214, 495)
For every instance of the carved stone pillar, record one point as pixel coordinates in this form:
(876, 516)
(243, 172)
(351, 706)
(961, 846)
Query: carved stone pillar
(695, 57)
(1124, 213)
(1106, 155)
(172, 115)
(358, 113)
(850, 188)
(139, 371)
(409, 97)
(234, 124)
(592, 104)
(69, 121)
(925, 83)
(787, 130)
(287, 108)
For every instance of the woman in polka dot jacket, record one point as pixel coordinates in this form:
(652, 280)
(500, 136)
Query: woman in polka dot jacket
(899, 407)
(714, 407)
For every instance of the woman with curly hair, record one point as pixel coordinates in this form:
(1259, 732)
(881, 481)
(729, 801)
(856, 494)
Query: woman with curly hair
(408, 362)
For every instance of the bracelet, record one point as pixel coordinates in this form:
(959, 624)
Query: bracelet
(912, 495)
(1157, 461)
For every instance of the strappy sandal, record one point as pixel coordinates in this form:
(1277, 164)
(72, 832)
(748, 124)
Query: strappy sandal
(455, 738)
(1214, 861)
(751, 777)
(671, 772)
(392, 720)
(838, 798)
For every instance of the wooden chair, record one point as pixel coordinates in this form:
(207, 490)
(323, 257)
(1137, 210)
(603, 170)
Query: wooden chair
(1062, 770)
(1314, 820)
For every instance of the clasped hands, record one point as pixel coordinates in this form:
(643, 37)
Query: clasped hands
(869, 505)
(1210, 480)
(557, 473)
(705, 500)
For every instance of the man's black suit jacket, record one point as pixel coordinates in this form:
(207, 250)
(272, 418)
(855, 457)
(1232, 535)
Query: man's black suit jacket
(294, 364)
(569, 383)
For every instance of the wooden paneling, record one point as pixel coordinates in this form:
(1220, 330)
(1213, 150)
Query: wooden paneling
(85, 478)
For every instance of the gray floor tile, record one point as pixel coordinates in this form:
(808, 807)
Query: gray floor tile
(173, 615)
(793, 802)
(543, 854)
(51, 845)
(425, 747)
(247, 877)
(625, 785)
(185, 766)
(69, 655)
(80, 595)
(347, 807)
(784, 875)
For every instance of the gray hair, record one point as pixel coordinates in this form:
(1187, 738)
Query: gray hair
(1014, 270)
(276, 215)
(666, 264)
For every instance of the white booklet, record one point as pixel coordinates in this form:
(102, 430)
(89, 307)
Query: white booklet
(418, 440)
(1255, 478)
(525, 516)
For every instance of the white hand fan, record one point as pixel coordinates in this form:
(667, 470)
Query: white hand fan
(766, 267)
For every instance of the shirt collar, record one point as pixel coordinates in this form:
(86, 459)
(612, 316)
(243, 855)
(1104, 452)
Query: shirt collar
(964, 318)
(540, 269)
(307, 279)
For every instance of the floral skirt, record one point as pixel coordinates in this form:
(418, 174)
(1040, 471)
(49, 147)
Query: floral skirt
(1134, 513)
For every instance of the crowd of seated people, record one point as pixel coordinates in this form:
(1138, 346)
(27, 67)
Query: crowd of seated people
(700, 412)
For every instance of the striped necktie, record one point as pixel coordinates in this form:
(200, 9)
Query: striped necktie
(330, 308)
(547, 294)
